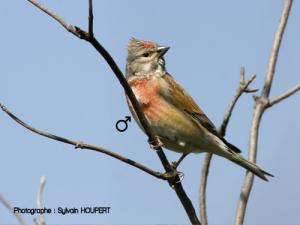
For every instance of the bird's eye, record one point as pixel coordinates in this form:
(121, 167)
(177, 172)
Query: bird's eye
(146, 54)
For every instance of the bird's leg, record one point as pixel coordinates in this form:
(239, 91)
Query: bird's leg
(176, 163)
(153, 143)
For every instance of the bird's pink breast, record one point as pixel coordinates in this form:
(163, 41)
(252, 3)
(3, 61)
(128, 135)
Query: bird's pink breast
(165, 119)
(147, 91)
(175, 130)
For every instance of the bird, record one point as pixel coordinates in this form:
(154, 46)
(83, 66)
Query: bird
(171, 112)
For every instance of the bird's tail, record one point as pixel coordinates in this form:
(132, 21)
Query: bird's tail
(252, 167)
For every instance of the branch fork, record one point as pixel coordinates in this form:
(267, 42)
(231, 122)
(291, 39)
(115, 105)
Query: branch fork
(242, 88)
(261, 104)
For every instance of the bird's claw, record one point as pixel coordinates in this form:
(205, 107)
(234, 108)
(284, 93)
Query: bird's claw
(79, 144)
(175, 176)
(175, 164)
(181, 176)
(155, 144)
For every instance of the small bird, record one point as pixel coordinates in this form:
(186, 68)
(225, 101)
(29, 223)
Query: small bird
(172, 113)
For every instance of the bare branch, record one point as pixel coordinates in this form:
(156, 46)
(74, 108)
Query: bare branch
(244, 84)
(243, 87)
(202, 188)
(11, 209)
(91, 19)
(41, 218)
(283, 96)
(275, 48)
(261, 103)
(82, 145)
(246, 189)
(67, 26)
(40, 192)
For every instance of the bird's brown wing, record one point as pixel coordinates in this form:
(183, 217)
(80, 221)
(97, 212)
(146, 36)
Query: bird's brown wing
(181, 100)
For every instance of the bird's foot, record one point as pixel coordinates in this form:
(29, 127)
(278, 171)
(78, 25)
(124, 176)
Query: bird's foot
(174, 177)
(175, 164)
(79, 144)
(155, 144)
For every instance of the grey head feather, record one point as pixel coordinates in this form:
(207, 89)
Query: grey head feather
(137, 47)
(144, 58)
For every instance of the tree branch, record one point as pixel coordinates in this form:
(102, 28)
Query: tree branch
(82, 145)
(261, 103)
(243, 87)
(202, 188)
(41, 218)
(91, 19)
(11, 209)
(67, 26)
(285, 95)
(275, 48)
(174, 179)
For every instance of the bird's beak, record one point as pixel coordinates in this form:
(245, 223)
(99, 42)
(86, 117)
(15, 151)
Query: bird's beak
(162, 50)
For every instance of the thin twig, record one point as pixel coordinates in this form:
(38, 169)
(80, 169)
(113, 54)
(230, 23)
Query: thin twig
(243, 88)
(275, 48)
(261, 103)
(82, 145)
(91, 19)
(202, 188)
(41, 219)
(152, 138)
(67, 26)
(11, 209)
(283, 96)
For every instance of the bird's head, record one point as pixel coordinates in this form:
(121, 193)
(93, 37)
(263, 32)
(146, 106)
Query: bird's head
(145, 57)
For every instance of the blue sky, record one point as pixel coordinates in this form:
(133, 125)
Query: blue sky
(58, 83)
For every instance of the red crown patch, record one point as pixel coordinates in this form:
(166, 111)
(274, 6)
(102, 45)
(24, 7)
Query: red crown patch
(147, 44)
